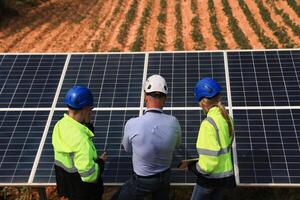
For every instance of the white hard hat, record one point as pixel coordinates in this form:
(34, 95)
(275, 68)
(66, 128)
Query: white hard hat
(156, 83)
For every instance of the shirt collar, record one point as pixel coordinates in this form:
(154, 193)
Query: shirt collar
(154, 110)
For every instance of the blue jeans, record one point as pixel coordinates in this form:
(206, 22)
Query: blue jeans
(139, 187)
(202, 193)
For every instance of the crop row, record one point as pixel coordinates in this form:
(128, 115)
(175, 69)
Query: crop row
(195, 22)
(279, 32)
(124, 28)
(139, 39)
(221, 44)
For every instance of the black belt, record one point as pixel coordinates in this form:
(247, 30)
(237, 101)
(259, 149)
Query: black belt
(154, 175)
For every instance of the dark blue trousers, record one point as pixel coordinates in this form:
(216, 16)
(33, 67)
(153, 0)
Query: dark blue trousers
(138, 187)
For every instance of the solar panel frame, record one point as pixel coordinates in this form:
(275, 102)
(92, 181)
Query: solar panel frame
(230, 108)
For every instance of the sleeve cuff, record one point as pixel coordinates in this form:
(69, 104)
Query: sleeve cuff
(101, 164)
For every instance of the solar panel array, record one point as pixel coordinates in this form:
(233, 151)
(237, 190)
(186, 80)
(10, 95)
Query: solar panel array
(260, 88)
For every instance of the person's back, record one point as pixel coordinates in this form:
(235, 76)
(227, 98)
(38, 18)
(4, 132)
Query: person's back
(154, 137)
(77, 166)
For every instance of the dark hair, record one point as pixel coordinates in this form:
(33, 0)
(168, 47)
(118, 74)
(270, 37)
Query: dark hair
(158, 95)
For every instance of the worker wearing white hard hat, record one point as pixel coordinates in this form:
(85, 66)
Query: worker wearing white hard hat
(152, 139)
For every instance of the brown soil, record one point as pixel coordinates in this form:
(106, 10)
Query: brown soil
(170, 26)
(187, 16)
(135, 25)
(255, 12)
(205, 26)
(223, 25)
(243, 22)
(111, 40)
(287, 9)
(90, 25)
(279, 21)
(150, 30)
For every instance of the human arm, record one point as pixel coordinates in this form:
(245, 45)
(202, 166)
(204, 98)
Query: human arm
(88, 168)
(126, 142)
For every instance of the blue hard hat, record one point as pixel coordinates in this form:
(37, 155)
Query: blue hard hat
(206, 87)
(78, 97)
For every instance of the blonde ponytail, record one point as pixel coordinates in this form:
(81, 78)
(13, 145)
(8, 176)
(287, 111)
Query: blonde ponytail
(226, 117)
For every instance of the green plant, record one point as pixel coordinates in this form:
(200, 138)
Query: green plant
(293, 4)
(286, 18)
(195, 22)
(139, 40)
(130, 15)
(238, 34)
(221, 44)
(178, 27)
(160, 32)
(279, 32)
(266, 41)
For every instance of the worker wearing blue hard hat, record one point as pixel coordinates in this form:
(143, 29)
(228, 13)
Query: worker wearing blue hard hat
(152, 139)
(214, 167)
(78, 168)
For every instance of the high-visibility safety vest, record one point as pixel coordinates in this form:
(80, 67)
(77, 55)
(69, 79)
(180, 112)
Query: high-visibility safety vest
(74, 150)
(214, 146)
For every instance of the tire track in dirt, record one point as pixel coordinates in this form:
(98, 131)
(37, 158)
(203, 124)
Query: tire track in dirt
(56, 36)
(68, 40)
(255, 12)
(101, 18)
(135, 25)
(111, 40)
(150, 29)
(279, 21)
(244, 24)
(222, 20)
(205, 26)
(187, 16)
(170, 26)
(105, 29)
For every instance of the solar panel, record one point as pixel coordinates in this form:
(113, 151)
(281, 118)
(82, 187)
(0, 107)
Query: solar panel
(264, 78)
(29, 80)
(183, 70)
(268, 145)
(260, 88)
(115, 79)
(108, 133)
(20, 135)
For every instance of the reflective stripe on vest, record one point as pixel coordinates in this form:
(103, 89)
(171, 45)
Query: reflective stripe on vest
(60, 164)
(214, 175)
(88, 173)
(73, 168)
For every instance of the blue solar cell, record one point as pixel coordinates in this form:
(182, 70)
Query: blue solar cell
(267, 143)
(115, 79)
(29, 80)
(20, 135)
(264, 78)
(183, 70)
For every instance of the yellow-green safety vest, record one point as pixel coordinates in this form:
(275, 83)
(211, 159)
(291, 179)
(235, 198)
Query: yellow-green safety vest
(74, 150)
(214, 146)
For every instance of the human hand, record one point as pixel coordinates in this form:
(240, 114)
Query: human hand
(103, 156)
(183, 165)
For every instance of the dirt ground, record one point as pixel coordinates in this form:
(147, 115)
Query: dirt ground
(93, 25)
